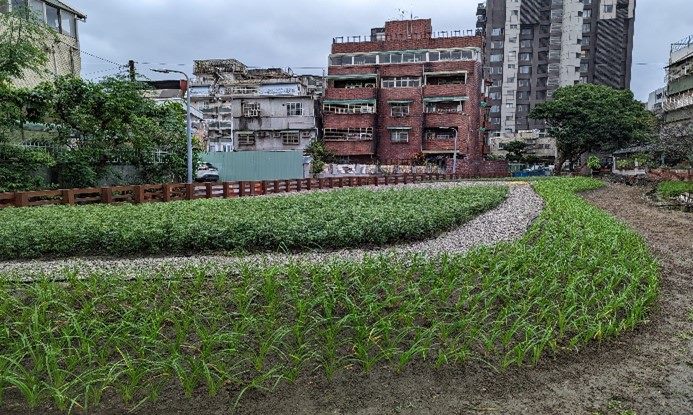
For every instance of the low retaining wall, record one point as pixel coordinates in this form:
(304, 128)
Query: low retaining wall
(480, 168)
(671, 174)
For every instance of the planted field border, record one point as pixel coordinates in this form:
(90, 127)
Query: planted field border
(181, 191)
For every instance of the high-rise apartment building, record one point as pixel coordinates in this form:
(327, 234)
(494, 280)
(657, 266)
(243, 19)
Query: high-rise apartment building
(532, 47)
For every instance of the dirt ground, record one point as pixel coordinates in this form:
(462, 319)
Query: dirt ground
(649, 371)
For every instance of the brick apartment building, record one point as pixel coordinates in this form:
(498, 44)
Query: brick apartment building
(403, 93)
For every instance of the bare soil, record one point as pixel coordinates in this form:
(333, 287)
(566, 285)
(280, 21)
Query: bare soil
(648, 371)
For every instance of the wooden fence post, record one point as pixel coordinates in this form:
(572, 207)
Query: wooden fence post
(252, 188)
(227, 190)
(190, 191)
(287, 185)
(107, 195)
(321, 183)
(68, 197)
(241, 188)
(21, 199)
(276, 186)
(138, 194)
(166, 192)
(375, 181)
(209, 191)
(309, 184)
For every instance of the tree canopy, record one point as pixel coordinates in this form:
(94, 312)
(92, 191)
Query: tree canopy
(516, 150)
(585, 118)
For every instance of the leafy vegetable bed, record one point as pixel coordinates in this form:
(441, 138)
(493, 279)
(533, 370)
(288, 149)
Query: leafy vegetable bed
(674, 189)
(337, 219)
(578, 276)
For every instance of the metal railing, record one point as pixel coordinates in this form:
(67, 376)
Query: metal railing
(411, 36)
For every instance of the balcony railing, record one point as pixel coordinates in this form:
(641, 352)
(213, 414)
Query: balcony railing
(412, 36)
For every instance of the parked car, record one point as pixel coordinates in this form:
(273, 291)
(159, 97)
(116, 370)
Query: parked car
(206, 172)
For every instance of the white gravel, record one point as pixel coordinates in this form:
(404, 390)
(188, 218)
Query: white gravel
(507, 222)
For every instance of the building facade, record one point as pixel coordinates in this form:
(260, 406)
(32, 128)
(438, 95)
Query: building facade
(404, 93)
(655, 101)
(255, 109)
(678, 104)
(532, 47)
(63, 52)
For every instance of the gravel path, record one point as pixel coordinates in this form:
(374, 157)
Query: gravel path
(507, 222)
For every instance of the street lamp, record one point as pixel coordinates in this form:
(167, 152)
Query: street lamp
(190, 151)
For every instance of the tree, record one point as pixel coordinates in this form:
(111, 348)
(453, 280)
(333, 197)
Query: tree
(585, 118)
(516, 150)
(113, 122)
(320, 156)
(676, 141)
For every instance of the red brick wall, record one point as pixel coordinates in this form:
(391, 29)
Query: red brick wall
(408, 44)
(480, 168)
(350, 148)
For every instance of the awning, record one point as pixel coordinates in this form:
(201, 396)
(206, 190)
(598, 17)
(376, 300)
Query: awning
(348, 101)
(402, 101)
(399, 128)
(445, 99)
(352, 77)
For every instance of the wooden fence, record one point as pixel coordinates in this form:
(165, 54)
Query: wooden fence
(170, 192)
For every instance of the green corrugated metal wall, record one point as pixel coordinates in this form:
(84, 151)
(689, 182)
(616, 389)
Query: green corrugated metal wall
(257, 165)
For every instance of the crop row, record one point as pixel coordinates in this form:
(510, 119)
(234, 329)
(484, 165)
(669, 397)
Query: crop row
(578, 276)
(321, 220)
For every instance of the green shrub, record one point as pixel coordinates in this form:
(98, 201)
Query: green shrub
(674, 189)
(338, 219)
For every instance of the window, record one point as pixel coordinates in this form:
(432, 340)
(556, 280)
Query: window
(510, 92)
(401, 82)
(497, 44)
(584, 67)
(525, 69)
(509, 105)
(608, 8)
(251, 109)
(399, 109)
(541, 82)
(526, 44)
(511, 66)
(364, 60)
(496, 70)
(495, 108)
(513, 39)
(341, 60)
(510, 79)
(527, 31)
(399, 136)
(290, 138)
(523, 95)
(494, 95)
(246, 139)
(544, 42)
(587, 27)
(512, 55)
(294, 109)
(496, 57)
(583, 54)
(495, 120)
(587, 14)
(523, 108)
(36, 6)
(435, 56)
(446, 107)
(525, 57)
(583, 79)
(52, 17)
(522, 83)
(586, 41)
(513, 26)
(496, 31)
(349, 108)
(68, 24)
(541, 95)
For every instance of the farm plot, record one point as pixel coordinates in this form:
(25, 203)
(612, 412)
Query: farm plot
(577, 276)
(320, 220)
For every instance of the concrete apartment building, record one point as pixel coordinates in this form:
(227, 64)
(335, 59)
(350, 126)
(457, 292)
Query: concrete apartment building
(402, 93)
(63, 53)
(532, 47)
(255, 109)
(677, 108)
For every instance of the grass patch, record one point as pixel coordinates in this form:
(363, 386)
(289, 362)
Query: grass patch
(670, 189)
(577, 276)
(320, 220)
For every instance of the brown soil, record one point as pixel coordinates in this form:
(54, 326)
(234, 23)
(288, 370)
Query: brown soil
(649, 371)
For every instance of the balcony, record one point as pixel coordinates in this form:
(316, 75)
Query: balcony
(350, 93)
(445, 90)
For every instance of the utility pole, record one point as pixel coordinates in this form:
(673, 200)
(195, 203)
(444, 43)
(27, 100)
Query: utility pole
(131, 70)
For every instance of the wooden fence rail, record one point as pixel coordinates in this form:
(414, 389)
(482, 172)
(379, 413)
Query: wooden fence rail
(180, 191)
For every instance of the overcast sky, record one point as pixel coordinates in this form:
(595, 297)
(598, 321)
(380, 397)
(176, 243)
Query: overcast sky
(298, 33)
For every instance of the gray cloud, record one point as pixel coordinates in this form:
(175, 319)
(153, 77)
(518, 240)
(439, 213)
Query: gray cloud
(298, 33)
